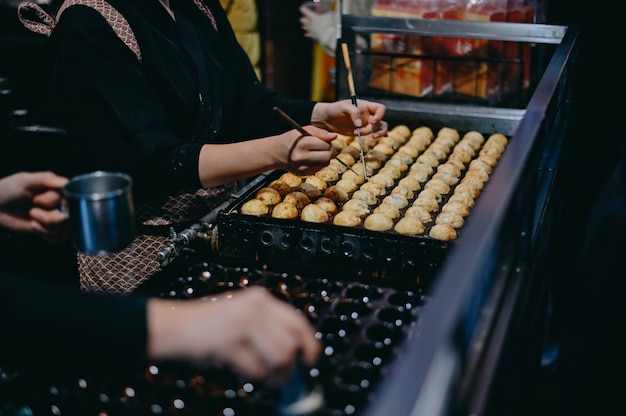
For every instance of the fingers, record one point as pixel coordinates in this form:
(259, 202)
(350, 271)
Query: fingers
(48, 199)
(48, 217)
(20, 224)
(274, 334)
(306, 20)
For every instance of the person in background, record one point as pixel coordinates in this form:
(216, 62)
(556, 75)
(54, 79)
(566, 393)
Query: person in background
(251, 331)
(320, 21)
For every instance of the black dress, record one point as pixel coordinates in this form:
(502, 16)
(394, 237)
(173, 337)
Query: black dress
(149, 118)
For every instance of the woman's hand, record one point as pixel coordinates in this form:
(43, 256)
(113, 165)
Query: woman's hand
(29, 203)
(249, 330)
(307, 154)
(307, 18)
(344, 118)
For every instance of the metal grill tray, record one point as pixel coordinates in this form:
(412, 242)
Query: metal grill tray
(312, 248)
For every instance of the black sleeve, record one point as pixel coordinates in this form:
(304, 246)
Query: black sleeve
(115, 118)
(43, 323)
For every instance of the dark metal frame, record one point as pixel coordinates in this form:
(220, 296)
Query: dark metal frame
(478, 342)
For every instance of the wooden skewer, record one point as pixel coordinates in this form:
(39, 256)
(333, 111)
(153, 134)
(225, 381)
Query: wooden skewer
(346, 60)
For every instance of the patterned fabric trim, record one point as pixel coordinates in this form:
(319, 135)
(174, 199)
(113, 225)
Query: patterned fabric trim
(206, 11)
(118, 23)
(43, 27)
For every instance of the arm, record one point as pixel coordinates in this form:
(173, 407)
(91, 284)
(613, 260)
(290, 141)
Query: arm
(252, 332)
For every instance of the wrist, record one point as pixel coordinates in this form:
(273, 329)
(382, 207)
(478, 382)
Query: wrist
(318, 115)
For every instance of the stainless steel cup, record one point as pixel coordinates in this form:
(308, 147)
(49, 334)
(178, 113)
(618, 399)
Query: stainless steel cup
(101, 212)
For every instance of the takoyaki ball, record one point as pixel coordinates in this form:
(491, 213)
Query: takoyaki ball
(372, 164)
(281, 186)
(456, 207)
(398, 164)
(449, 132)
(446, 177)
(375, 154)
(378, 222)
(337, 165)
(463, 197)
(406, 152)
(438, 186)
(420, 174)
(474, 138)
(357, 205)
(462, 154)
(366, 196)
(472, 180)
(298, 199)
(468, 188)
(392, 171)
(310, 190)
(420, 213)
(479, 174)
(385, 149)
(402, 130)
(491, 151)
(429, 193)
(454, 161)
(411, 183)
(268, 195)
(499, 139)
(480, 165)
(368, 141)
(409, 226)
(254, 207)
(337, 194)
(285, 210)
(384, 179)
(404, 190)
(346, 158)
(429, 204)
(375, 188)
(438, 150)
(347, 184)
(458, 160)
(466, 148)
(354, 175)
(390, 140)
(341, 141)
(314, 213)
(450, 218)
(292, 179)
(446, 141)
(397, 200)
(443, 232)
(358, 167)
(316, 181)
(490, 160)
(347, 218)
(423, 131)
(450, 168)
(403, 157)
(352, 151)
(428, 160)
(329, 174)
(419, 142)
(389, 210)
(327, 205)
